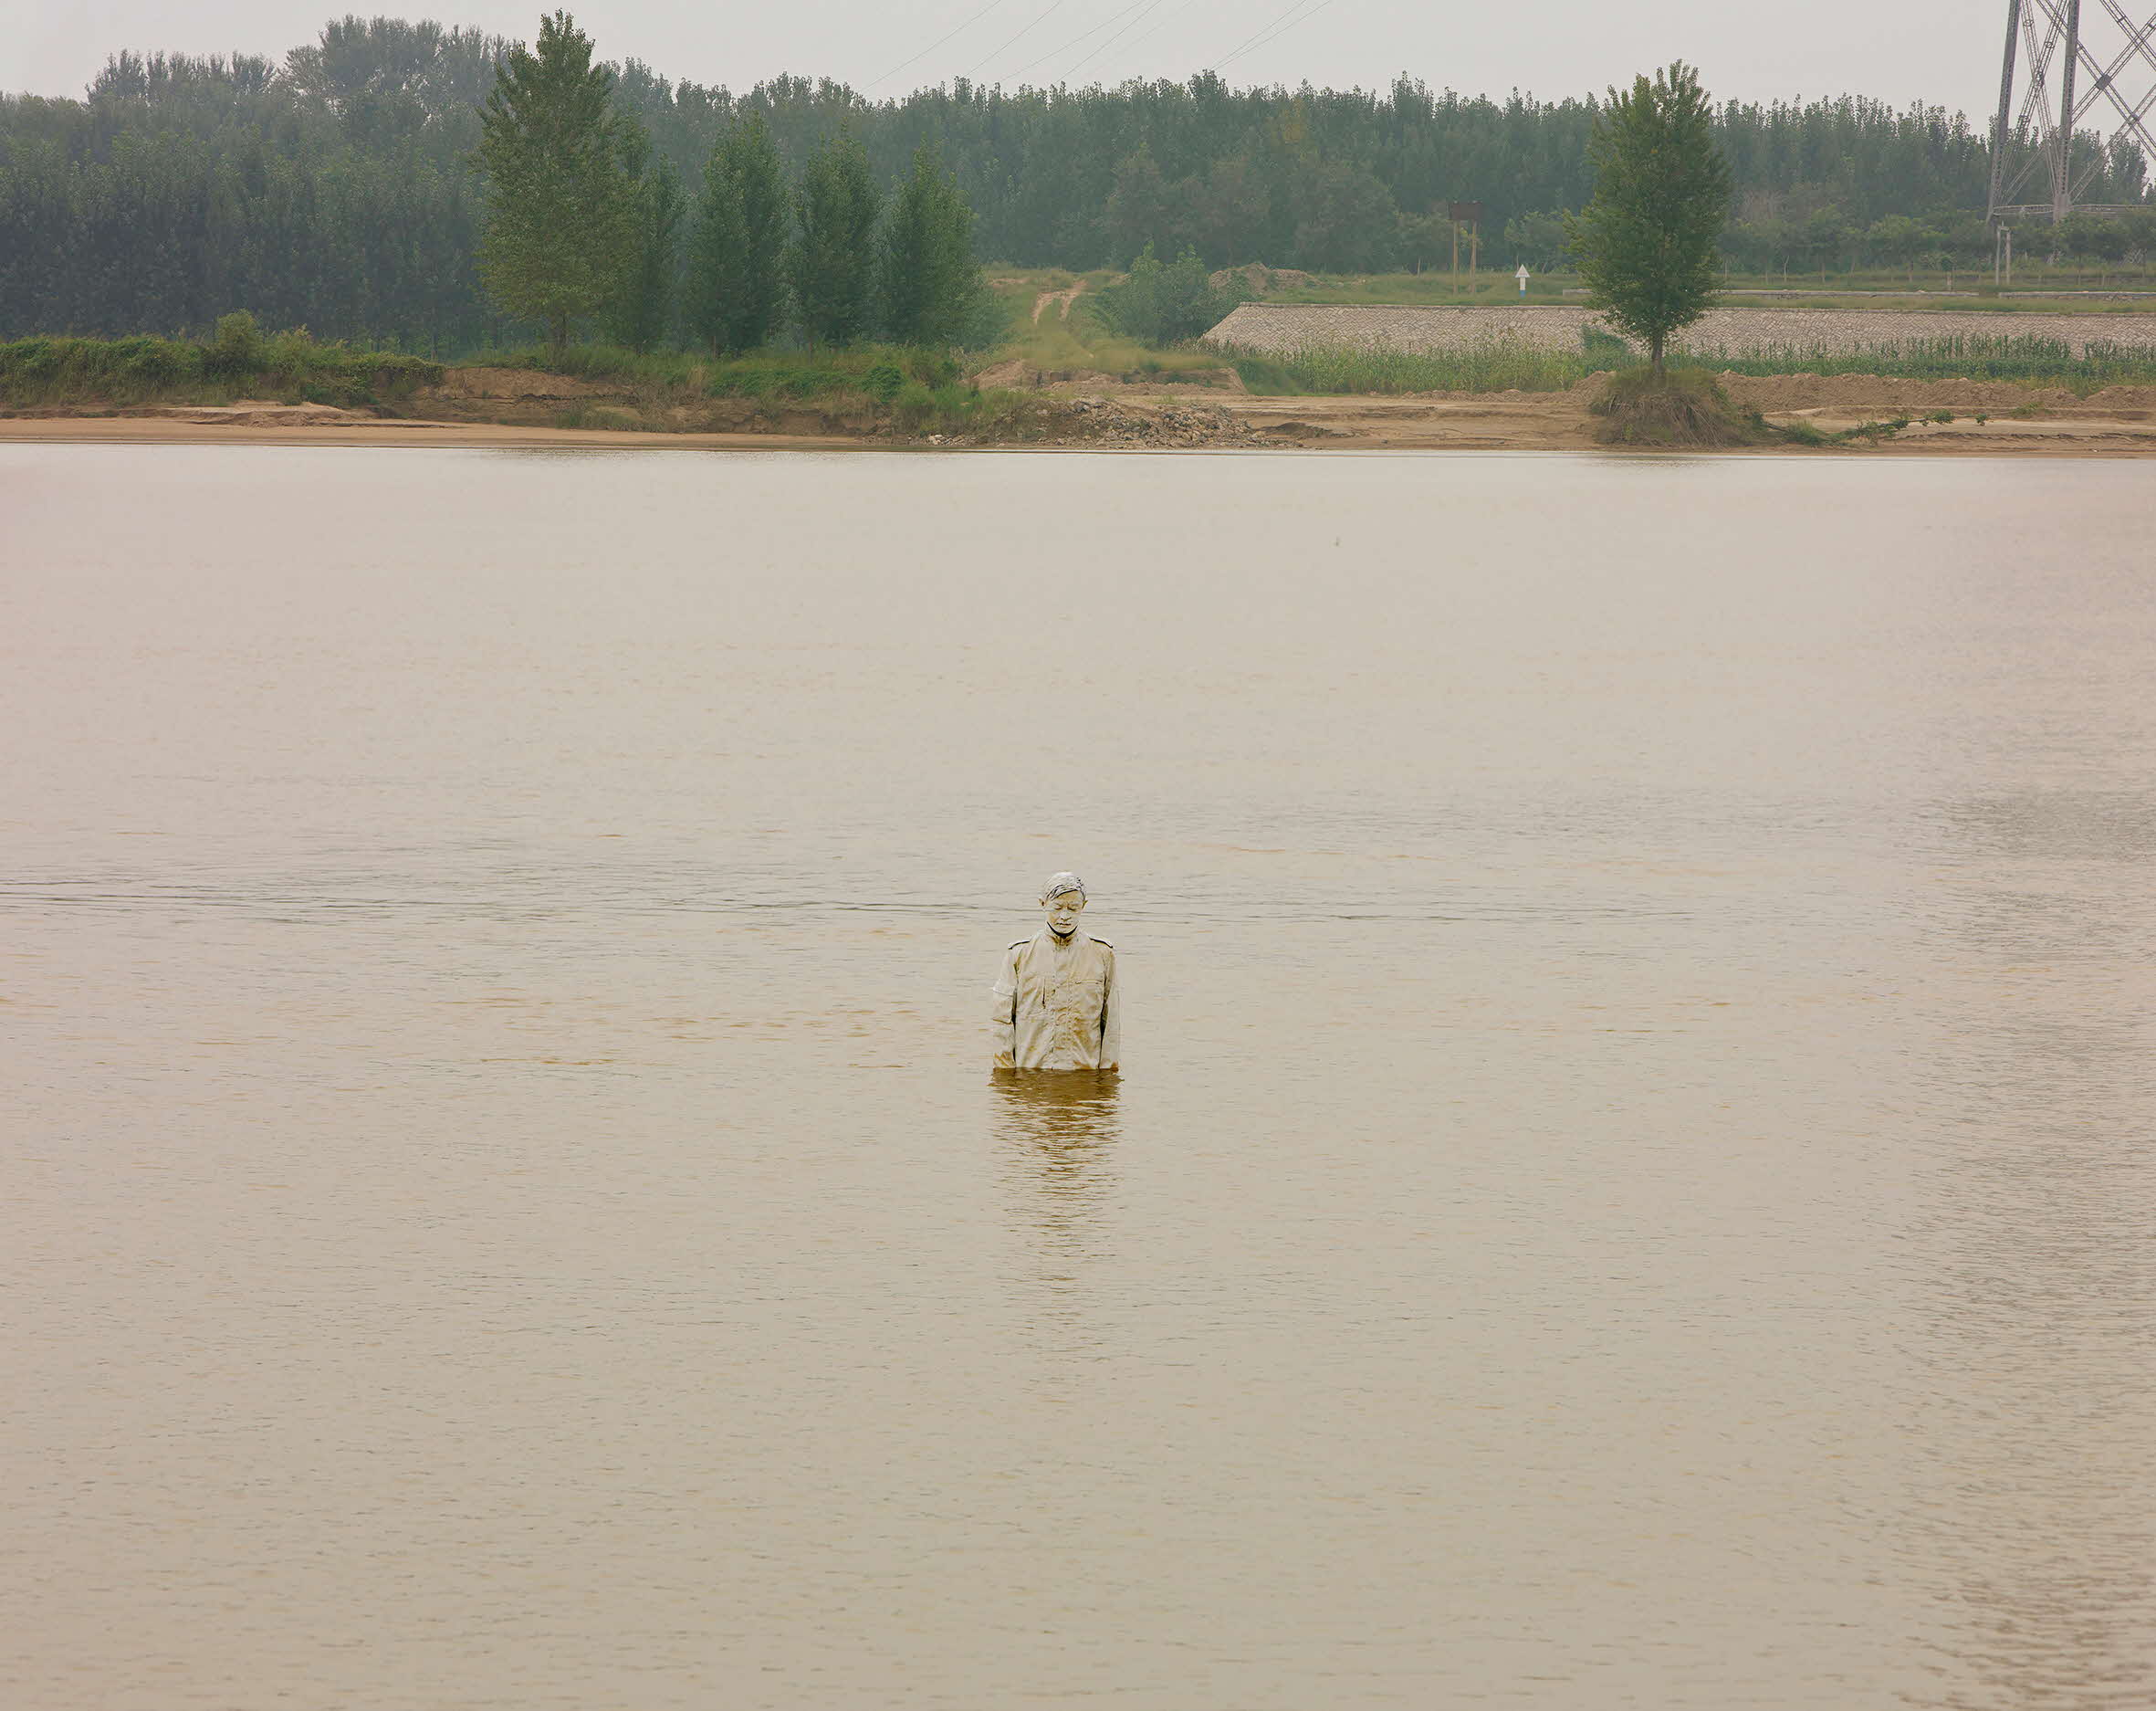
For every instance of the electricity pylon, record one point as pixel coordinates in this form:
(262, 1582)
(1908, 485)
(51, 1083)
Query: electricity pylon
(2049, 34)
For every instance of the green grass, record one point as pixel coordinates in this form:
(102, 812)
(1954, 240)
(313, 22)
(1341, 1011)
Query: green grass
(2009, 357)
(917, 391)
(1478, 368)
(240, 362)
(796, 374)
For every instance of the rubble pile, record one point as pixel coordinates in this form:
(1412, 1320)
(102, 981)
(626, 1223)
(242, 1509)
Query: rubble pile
(1111, 421)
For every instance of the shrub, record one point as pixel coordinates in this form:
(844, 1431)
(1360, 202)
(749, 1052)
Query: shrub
(1679, 406)
(1164, 303)
(236, 350)
(882, 382)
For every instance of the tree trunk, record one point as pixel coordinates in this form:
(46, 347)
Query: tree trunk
(1654, 356)
(557, 336)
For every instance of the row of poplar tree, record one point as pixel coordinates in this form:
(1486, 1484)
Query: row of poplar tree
(331, 187)
(585, 220)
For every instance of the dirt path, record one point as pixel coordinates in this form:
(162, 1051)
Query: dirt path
(1065, 298)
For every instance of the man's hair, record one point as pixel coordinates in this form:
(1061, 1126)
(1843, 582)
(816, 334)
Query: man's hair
(1061, 883)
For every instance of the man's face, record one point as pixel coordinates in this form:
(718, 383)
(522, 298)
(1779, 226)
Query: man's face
(1062, 912)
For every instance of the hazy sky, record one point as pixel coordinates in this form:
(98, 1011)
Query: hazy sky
(1942, 51)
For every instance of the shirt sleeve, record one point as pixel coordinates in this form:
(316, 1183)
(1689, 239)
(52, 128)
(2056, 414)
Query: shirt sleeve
(1112, 1018)
(1003, 1018)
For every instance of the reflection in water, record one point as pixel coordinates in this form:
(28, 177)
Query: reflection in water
(2032, 1401)
(1056, 1134)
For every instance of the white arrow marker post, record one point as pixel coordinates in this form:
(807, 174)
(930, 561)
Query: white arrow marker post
(1522, 276)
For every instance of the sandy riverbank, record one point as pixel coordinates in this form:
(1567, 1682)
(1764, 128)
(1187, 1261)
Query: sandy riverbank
(192, 429)
(1987, 418)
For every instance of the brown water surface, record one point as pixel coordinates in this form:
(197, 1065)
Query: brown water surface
(1633, 1185)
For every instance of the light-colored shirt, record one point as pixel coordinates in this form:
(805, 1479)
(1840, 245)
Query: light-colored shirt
(1058, 1004)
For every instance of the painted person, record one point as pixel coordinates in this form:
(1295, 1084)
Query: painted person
(1058, 1002)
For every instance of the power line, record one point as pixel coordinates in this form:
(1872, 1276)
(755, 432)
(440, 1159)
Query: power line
(1274, 32)
(1056, 52)
(1260, 30)
(1111, 40)
(1158, 27)
(1039, 18)
(933, 46)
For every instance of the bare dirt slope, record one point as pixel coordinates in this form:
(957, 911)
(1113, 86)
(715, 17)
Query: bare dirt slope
(2118, 421)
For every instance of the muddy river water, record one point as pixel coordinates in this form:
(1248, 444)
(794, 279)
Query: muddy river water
(1633, 1185)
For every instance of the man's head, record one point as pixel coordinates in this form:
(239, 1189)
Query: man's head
(1063, 898)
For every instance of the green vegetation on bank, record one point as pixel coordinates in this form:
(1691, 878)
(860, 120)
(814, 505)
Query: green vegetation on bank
(1164, 303)
(239, 362)
(867, 374)
(2032, 361)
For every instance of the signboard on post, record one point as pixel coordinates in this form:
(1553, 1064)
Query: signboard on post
(1522, 276)
(1466, 212)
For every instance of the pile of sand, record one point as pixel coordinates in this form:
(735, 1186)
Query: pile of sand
(256, 412)
(1015, 375)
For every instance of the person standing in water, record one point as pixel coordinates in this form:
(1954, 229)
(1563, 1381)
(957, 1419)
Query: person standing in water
(1058, 1002)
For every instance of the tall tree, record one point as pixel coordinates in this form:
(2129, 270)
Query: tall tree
(737, 270)
(832, 263)
(1647, 241)
(560, 203)
(643, 314)
(928, 280)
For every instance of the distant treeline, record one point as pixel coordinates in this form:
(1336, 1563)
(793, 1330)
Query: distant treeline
(335, 191)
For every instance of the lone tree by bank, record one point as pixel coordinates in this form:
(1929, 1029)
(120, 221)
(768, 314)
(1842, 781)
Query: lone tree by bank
(561, 197)
(1647, 242)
